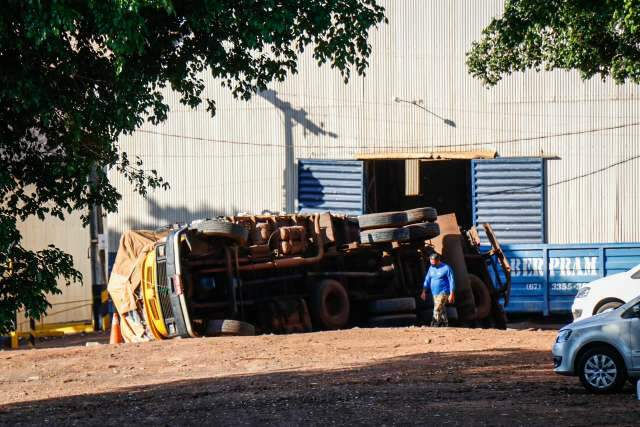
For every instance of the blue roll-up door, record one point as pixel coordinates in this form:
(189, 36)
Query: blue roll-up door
(331, 185)
(508, 193)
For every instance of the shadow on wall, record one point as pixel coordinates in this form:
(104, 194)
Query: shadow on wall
(162, 215)
(510, 386)
(293, 117)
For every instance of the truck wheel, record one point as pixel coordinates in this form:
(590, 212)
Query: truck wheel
(499, 317)
(392, 305)
(423, 230)
(421, 215)
(452, 313)
(481, 296)
(229, 230)
(231, 328)
(382, 220)
(329, 305)
(392, 320)
(601, 370)
(383, 235)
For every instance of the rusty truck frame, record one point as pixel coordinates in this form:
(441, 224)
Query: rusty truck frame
(293, 273)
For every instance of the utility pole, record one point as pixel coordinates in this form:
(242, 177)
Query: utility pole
(96, 254)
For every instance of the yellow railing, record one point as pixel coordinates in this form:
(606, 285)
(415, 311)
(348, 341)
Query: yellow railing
(51, 330)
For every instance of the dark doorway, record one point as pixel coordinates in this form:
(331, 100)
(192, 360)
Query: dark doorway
(444, 185)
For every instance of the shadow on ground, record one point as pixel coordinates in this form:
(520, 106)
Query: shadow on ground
(506, 387)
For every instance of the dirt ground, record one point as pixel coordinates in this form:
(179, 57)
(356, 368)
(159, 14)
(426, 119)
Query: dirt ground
(377, 377)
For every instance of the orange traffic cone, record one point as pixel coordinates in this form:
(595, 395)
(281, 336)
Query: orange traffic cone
(116, 333)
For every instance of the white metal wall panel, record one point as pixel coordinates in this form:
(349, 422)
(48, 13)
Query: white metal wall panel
(74, 303)
(245, 158)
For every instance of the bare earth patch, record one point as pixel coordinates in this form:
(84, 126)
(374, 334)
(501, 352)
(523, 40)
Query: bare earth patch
(360, 376)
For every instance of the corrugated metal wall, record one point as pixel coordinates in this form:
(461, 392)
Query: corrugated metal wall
(508, 193)
(336, 186)
(74, 303)
(245, 158)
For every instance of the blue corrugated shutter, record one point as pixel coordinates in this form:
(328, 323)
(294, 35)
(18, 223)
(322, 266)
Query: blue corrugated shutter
(508, 193)
(331, 185)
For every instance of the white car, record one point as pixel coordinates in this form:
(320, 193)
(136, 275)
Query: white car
(606, 293)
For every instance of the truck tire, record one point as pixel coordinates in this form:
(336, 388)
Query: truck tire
(230, 328)
(421, 215)
(217, 228)
(423, 230)
(382, 220)
(606, 359)
(481, 296)
(329, 305)
(393, 305)
(384, 235)
(499, 316)
(452, 313)
(392, 320)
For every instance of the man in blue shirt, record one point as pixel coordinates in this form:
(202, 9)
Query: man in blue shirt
(440, 282)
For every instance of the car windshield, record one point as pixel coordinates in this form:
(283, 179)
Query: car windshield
(629, 304)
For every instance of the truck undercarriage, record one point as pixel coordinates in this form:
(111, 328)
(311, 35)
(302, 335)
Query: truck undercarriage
(294, 273)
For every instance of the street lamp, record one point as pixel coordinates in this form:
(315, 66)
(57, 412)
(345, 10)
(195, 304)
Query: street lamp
(418, 103)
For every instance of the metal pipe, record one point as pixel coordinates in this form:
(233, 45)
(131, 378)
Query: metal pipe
(293, 262)
(233, 301)
(274, 279)
(285, 262)
(178, 272)
(345, 274)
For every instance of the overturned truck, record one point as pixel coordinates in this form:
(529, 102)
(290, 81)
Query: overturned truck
(244, 275)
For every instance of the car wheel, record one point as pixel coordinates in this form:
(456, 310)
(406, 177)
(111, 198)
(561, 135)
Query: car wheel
(609, 306)
(601, 370)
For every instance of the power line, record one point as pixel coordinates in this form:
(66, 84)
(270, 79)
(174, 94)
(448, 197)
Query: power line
(595, 172)
(566, 180)
(444, 108)
(362, 147)
(556, 135)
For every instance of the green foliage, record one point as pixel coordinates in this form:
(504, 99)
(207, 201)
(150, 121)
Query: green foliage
(26, 276)
(594, 37)
(76, 75)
